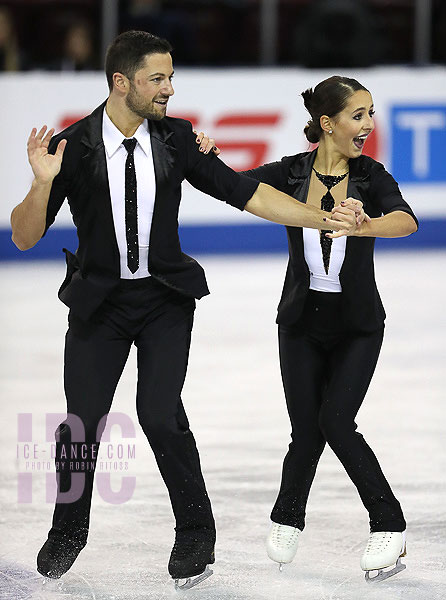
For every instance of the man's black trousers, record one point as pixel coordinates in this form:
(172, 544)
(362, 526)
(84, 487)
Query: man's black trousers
(326, 370)
(159, 322)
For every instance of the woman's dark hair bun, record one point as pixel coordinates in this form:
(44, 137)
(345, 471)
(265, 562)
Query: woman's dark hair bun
(312, 132)
(308, 96)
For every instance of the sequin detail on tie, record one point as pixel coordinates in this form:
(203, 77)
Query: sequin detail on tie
(327, 204)
(131, 207)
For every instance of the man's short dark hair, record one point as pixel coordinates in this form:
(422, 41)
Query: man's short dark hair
(126, 53)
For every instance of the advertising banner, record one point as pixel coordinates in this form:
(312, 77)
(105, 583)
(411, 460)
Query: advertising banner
(256, 116)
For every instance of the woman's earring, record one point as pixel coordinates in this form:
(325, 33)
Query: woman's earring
(331, 131)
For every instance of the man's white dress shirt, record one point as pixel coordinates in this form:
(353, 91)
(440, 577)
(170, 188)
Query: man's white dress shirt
(116, 156)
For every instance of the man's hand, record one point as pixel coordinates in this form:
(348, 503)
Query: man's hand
(355, 205)
(45, 166)
(206, 144)
(343, 222)
(29, 217)
(343, 213)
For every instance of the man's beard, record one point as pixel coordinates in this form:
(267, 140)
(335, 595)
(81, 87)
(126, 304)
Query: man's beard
(138, 108)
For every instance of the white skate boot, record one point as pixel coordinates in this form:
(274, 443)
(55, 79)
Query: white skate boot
(384, 549)
(282, 542)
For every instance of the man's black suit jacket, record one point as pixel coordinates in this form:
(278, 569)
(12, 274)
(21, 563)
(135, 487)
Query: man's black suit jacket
(95, 268)
(380, 194)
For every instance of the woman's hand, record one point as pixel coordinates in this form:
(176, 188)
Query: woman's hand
(345, 209)
(357, 206)
(206, 144)
(342, 222)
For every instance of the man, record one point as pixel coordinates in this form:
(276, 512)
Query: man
(121, 169)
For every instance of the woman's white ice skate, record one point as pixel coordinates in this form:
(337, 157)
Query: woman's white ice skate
(384, 549)
(282, 542)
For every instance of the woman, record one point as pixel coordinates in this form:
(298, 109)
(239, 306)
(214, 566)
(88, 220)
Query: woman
(331, 319)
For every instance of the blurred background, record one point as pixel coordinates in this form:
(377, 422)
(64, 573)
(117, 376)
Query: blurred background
(240, 68)
(71, 35)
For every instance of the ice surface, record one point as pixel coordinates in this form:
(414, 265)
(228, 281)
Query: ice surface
(235, 404)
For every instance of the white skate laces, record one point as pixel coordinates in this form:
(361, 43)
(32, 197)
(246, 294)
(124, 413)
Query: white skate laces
(384, 549)
(282, 542)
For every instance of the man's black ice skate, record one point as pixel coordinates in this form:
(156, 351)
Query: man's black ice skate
(191, 554)
(57, 555)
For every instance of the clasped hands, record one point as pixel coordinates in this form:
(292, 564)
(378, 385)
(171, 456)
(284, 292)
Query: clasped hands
(350, 215)
(346, 218)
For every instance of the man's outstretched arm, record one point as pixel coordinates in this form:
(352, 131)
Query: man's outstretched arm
(28, 218)
(275, 206)
(270, 204)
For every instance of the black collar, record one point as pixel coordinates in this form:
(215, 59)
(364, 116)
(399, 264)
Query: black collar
(160, 130)
(301, 167)
(92, 136)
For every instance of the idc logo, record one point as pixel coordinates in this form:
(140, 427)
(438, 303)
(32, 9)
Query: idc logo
(419, 143)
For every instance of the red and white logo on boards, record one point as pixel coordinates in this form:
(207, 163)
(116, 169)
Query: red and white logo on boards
(239, 149)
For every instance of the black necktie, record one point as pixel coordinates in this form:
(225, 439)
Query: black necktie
(131, 207)
(327, 204)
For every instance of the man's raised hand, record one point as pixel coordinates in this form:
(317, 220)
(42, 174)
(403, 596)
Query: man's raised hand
(45, 166)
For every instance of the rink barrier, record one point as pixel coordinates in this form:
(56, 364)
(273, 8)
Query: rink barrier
(222, 239)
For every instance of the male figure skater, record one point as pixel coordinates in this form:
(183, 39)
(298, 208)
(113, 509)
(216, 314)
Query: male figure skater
(121, 169)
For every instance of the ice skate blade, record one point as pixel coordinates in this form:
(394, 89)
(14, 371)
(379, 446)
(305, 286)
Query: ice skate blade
(50, 584)
(193, 581)
(49, 577)
(280, 567)
(382, 575)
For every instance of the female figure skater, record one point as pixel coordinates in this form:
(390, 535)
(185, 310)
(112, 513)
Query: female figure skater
(331, 319)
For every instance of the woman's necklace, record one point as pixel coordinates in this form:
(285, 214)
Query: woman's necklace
(330, 180)
(327, 204)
